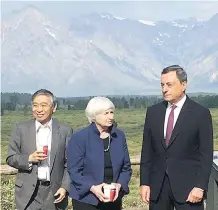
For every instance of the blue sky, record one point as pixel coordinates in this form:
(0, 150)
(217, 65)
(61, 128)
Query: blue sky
(146, 10)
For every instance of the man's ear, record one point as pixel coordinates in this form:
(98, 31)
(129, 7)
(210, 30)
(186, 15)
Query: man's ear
(184, 85)
(54, 109)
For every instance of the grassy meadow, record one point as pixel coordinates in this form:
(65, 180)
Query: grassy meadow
(130, 121)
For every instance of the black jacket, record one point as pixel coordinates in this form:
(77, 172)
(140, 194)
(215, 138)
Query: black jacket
(189, 156)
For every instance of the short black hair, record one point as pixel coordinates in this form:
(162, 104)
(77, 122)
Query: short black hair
(46, 93)
(180, 72)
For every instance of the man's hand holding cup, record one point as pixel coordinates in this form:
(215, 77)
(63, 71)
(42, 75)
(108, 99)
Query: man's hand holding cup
(39, 155)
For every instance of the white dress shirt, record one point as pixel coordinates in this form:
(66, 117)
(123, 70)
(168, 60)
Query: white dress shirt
(44, 138)
(177, 110)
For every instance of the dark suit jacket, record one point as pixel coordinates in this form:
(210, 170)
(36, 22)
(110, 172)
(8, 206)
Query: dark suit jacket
(22, 144)
(85, 158)
(187, 159)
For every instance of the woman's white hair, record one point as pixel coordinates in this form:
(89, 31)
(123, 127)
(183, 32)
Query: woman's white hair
(96, 106)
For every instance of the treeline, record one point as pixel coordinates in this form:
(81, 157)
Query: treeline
(22, 101)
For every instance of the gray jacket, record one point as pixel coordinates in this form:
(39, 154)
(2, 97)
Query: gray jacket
(22, 144)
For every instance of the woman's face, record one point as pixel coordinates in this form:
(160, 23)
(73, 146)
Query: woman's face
(105, 119)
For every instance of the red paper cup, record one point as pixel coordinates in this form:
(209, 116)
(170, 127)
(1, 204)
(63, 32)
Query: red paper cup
(110, 192)
(45, 150)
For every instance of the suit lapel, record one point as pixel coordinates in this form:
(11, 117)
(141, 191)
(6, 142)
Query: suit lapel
(31, 136)
(162, 121)
(55, 141)
(180, 121)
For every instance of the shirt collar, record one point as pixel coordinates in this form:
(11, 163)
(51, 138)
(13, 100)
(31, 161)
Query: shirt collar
(95, 129)
(38, 124)
(180, 103)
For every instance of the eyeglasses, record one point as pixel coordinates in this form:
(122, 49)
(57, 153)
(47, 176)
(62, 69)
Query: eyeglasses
(43, 106)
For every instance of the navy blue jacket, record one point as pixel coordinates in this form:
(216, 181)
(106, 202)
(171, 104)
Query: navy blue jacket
(85, 162)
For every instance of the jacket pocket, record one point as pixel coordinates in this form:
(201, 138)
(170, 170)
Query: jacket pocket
(19, 183)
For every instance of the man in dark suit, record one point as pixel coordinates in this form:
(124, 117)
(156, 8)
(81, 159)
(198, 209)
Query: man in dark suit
(37, 150)
(177, 150)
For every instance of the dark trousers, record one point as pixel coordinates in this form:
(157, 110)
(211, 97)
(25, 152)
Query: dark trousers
(117, 205)
(166, 200)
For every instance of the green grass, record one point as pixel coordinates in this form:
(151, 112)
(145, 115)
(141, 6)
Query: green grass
(130, 121)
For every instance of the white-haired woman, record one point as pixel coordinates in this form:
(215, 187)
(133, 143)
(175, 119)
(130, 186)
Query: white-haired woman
(98, 155)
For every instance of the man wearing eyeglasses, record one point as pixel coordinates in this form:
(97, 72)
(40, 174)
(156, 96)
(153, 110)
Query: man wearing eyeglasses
(37, 150)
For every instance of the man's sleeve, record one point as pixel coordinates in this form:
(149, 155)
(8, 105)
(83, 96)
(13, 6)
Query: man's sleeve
(205, 150)
(15, 158)
(146, 152)
(66, 178)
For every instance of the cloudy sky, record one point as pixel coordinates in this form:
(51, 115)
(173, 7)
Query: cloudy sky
(146, 10)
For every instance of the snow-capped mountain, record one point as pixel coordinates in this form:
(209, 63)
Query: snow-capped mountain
(102, 54)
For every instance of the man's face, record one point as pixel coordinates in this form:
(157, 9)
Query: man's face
(42, 108)
(172, 88)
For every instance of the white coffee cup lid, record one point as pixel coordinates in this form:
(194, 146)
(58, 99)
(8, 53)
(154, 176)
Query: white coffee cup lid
(111, 186)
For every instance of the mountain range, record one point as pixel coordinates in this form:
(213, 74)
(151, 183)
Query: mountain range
(101, 54)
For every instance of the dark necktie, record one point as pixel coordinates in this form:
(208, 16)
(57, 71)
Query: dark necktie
(170, 124)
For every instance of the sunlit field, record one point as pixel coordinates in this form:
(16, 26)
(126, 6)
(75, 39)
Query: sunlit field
(130, 121)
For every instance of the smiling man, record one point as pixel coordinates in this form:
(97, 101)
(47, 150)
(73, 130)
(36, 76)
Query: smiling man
(37, 150)
(177, 150)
